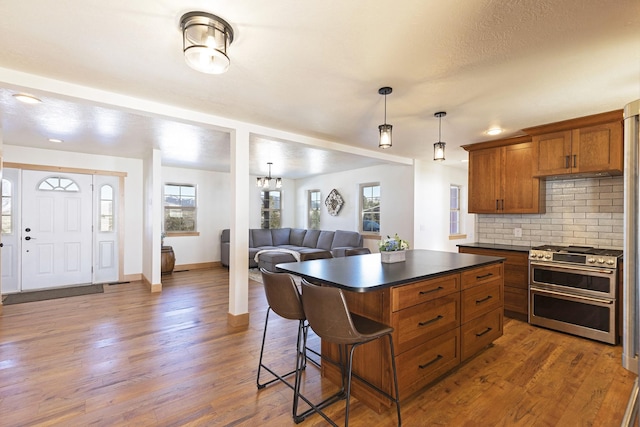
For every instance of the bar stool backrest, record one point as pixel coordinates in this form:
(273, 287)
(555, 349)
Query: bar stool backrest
(357, 251)
(282, 295)
(328, 314)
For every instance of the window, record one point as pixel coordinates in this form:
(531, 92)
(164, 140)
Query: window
(370, 208)
(7, 207)
(314, 209)
(454, 210)
(179, 208)
(270, 211)
(58, 183)
(106, 208)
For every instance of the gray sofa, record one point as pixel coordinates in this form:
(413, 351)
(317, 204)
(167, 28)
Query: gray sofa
(295, 239)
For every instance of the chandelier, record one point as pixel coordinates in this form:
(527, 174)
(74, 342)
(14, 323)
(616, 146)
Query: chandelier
(266, 181)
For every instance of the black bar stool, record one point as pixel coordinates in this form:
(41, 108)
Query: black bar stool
(328, 315)
(284, 300)
(357, 251)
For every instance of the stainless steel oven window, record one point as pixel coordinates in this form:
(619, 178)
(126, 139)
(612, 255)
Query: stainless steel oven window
(595, 282)
(583, 316)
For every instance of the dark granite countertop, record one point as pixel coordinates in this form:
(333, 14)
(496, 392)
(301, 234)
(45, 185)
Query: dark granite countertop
(364, 273)
(496, 246)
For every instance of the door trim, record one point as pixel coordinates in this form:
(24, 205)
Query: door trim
(64, 169)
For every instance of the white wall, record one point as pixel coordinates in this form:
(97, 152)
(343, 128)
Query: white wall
(213, 194)
(132, 189)
(396, 194)
(432, 206)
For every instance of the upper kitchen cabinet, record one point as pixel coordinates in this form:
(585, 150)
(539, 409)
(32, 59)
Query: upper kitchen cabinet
(501, 177)
(585, 146)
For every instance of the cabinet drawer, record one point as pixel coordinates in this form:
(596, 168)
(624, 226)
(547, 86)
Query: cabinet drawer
(481, 299)
(481, 332)
(478, 276)
(423, 364)
(420, 323)
(426, 290)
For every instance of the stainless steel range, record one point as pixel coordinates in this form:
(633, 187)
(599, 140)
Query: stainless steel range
(573, 289)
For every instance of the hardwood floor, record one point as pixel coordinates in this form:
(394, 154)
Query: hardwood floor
(131, 358)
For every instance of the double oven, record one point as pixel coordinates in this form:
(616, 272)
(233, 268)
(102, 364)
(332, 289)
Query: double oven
(573, 289)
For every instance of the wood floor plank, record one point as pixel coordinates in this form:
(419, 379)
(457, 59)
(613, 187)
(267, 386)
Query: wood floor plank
(131, 358)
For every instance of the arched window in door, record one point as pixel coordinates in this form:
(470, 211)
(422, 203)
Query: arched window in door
(7, 207)
(106, 208)
(58, 183)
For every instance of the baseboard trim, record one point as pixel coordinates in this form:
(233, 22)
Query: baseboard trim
(157, 287)
(197, 266)
(132, 277)
(238, 320)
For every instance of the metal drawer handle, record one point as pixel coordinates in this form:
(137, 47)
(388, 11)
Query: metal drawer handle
(439, 288)
(435, 319)
(484, 276)
(438, 357)
(480, 301)
(486, 331)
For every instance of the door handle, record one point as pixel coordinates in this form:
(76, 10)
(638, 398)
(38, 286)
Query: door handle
(28, 238)
(566, 162)
(574, 160)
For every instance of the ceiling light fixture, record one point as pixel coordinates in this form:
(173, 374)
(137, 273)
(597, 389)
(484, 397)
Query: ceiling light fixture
(56, 140)
(266, 181)
(438, 147)
(494, 131)
(385, 129)
(27, 99)
(205, 41)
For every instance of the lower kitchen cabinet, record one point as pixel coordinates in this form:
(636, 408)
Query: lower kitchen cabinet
(516, 279)
(438, 323)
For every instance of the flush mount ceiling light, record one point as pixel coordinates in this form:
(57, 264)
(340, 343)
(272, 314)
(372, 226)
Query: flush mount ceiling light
(266, 181)
(27, 99)
(385, 129)
(205, 41)
(494, 131)
(438, 147)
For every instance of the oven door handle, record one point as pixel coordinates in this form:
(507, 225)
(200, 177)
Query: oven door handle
(568, 267)
(572, 296)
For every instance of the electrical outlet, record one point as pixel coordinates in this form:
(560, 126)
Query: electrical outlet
(517, 232)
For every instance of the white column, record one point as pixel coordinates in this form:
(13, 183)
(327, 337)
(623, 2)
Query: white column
(238, 256)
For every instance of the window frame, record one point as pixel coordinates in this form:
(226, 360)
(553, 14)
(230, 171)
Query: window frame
(192, 209)
(270, 210)
(455, 211)
(11, 198)
(362, 213)
(311, 210)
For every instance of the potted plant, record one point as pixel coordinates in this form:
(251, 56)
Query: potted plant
(392, 249)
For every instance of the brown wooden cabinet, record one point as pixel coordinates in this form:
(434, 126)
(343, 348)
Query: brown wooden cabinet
(516, 279)
(437, 324)
(588, 145)
(501, 178)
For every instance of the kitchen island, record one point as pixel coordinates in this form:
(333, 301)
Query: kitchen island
(444, 307)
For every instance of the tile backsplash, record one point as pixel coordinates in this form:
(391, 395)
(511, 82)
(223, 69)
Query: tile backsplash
(580, 212)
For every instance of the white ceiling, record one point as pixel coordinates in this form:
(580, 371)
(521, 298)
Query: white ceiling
(305, 75)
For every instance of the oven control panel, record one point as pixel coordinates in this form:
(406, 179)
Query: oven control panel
(572, 258)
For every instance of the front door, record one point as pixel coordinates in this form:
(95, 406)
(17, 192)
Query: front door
(56, 229)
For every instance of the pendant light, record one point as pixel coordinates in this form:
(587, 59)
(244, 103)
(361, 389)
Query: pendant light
(438, 147)
(385, 129)
(266, 181)
(205, 42)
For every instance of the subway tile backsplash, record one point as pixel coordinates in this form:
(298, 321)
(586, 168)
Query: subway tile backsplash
(580, 212)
